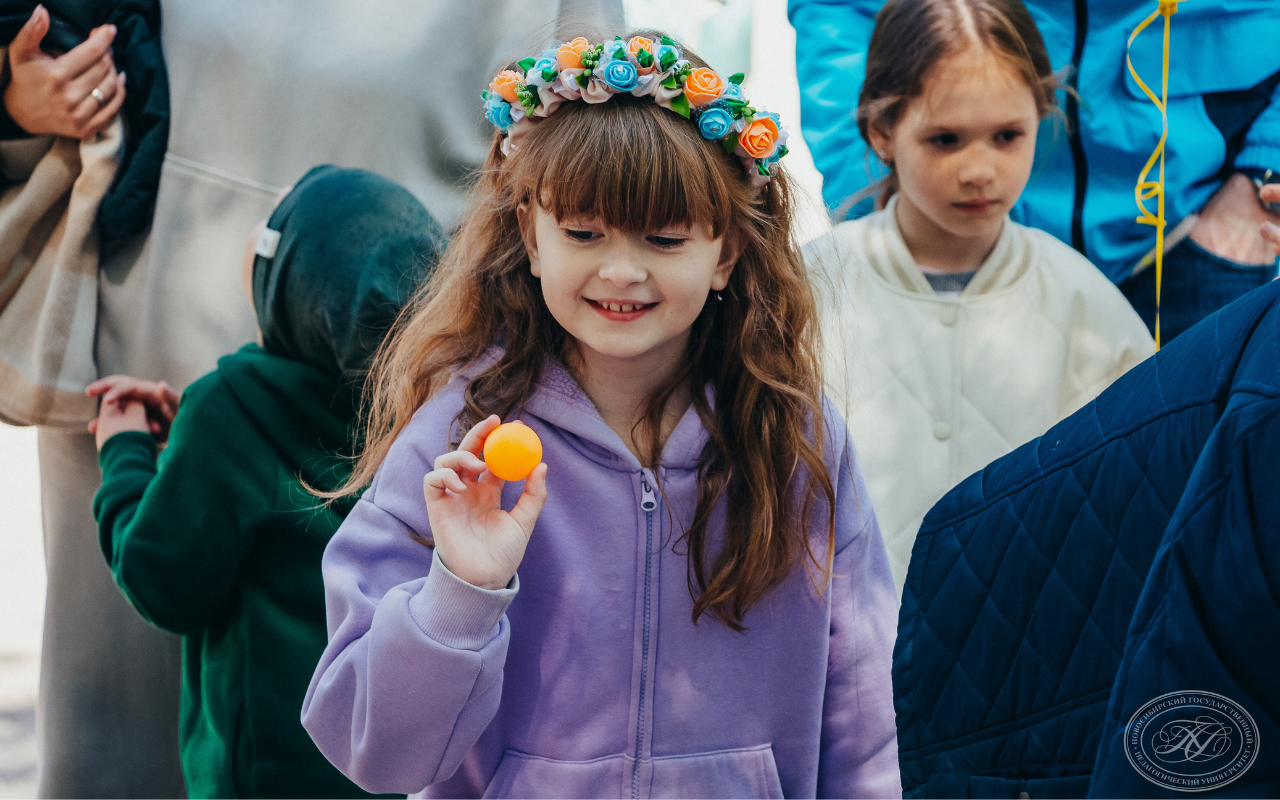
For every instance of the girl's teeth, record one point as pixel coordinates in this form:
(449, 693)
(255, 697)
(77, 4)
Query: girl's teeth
(627, 308)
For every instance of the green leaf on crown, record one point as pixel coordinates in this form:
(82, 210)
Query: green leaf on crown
(670, 82)
(549, 75)
(668, 61)
(680, 105)
(762, 169)
(526, 63)
(644, 58)
(782, 150)
(584, 78)
(484, 94)
(737, 78)
(667, 41)
(730, 143)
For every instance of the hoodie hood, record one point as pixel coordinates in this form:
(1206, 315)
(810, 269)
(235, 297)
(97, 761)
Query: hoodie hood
(352, 248)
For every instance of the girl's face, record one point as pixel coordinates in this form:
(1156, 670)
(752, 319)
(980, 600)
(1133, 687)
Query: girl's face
(624, 295)
(964, 148)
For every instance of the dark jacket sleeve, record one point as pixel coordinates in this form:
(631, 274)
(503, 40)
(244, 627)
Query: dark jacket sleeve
(176, 534)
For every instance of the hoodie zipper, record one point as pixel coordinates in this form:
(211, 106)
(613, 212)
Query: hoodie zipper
(648, 504)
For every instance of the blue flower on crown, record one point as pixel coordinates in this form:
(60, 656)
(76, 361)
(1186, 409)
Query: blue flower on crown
(732, 91)
(498, 112)
(621, 75)
(544, 66)
(714, 123)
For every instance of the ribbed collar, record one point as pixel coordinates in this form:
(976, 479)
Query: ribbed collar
(888, 256)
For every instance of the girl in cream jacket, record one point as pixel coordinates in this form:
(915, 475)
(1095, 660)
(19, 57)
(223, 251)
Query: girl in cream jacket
(952, 334)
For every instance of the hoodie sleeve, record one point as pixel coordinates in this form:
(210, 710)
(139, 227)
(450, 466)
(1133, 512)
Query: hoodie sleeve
(859, 752)
(413, 671)
(1262, 142)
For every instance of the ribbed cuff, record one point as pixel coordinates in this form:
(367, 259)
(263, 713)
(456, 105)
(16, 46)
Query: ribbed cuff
(125, 450)
(457, 614)
(1259, 156)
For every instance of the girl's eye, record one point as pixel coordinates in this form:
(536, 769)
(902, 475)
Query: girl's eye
(1004, 137)
(665, 242)
(582, 236)
(945, 140)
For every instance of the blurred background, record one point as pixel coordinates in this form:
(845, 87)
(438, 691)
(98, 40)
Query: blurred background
(751, 36)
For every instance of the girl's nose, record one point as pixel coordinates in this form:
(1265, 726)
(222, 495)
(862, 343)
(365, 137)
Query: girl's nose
(621, 268)
(979, 170)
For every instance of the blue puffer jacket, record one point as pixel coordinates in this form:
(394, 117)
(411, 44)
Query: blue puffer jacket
(1081, 190)
(1131, 552)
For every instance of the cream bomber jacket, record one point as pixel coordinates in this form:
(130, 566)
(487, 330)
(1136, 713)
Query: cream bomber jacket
(935, 387)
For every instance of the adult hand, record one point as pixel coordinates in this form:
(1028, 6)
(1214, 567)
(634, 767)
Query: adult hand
(478, 541)
(57, 95)
(1229, 225)
(118, 392)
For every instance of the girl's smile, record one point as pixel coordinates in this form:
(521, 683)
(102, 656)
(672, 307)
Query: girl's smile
(621, 310)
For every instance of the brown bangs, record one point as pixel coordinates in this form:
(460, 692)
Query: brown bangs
(671, 175)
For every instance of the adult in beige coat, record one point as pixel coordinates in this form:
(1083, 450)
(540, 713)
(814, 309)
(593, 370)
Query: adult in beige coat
(260, 92)
(935, 386)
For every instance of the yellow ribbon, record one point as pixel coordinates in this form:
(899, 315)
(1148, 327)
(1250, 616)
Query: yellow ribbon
(1145, 189)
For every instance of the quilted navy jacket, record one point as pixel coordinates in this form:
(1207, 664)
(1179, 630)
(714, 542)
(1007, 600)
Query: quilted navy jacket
(1130, 552)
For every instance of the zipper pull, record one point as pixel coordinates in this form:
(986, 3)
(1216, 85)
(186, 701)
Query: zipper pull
(649, 501)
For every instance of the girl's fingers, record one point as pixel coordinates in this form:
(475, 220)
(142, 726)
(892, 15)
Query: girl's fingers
(93, 425)
(1270, 193)
(534, 496)
(473, 442)
(435, 482)
(461, 461)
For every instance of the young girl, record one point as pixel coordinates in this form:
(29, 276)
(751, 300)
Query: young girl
(221, 541)
(953, 334)
(690, 596)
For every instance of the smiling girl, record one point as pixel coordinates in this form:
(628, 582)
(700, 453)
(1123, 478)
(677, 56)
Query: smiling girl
(690, 597)
(953, 334)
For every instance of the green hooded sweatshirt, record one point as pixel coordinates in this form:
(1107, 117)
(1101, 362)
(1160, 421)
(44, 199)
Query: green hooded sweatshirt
(220, 541)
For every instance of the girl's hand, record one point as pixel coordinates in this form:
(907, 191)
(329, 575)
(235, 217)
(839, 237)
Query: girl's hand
(116, 418)
(158, 402)
(1270, 230)
(478, 541)
(56, 95)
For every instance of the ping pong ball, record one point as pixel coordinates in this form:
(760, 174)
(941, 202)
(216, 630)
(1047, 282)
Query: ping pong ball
(512, 451)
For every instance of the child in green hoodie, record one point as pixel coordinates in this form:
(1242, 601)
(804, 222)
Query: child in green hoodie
(219, 539)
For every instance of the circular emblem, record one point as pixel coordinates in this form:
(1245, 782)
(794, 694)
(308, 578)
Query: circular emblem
(1191, 741)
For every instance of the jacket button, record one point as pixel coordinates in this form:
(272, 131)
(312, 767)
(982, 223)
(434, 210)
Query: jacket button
(942, 430)
(949, 315)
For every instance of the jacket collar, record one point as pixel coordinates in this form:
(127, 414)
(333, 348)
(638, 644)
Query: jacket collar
(559, 401)
(889, 258)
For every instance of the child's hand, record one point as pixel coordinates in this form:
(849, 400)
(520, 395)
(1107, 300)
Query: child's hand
(158, 401)
(116, 418)
(1270, 230)
(478, 541)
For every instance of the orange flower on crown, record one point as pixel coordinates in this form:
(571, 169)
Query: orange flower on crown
(569, 54)
(504, 85)
(703, 86)
(760, 138)
(635, 46)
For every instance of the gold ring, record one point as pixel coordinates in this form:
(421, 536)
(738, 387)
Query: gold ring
(96, 94)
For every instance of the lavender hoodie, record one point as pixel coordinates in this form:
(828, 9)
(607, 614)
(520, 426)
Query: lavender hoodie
(585, 677)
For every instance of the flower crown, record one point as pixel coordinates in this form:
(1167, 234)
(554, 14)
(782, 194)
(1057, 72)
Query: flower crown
(579, 70)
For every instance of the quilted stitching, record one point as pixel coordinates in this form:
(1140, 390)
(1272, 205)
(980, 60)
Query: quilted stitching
(1024, 578)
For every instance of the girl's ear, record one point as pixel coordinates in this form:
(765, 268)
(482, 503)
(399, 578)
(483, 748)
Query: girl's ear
(881, 143)
(528, 232)
(730, 252)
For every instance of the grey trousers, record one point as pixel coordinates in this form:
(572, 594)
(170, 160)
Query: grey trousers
(107, 713)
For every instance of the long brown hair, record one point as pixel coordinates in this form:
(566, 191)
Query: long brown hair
(638, 167)
(912, 37)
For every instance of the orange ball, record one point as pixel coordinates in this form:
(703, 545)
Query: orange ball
(512, 451)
